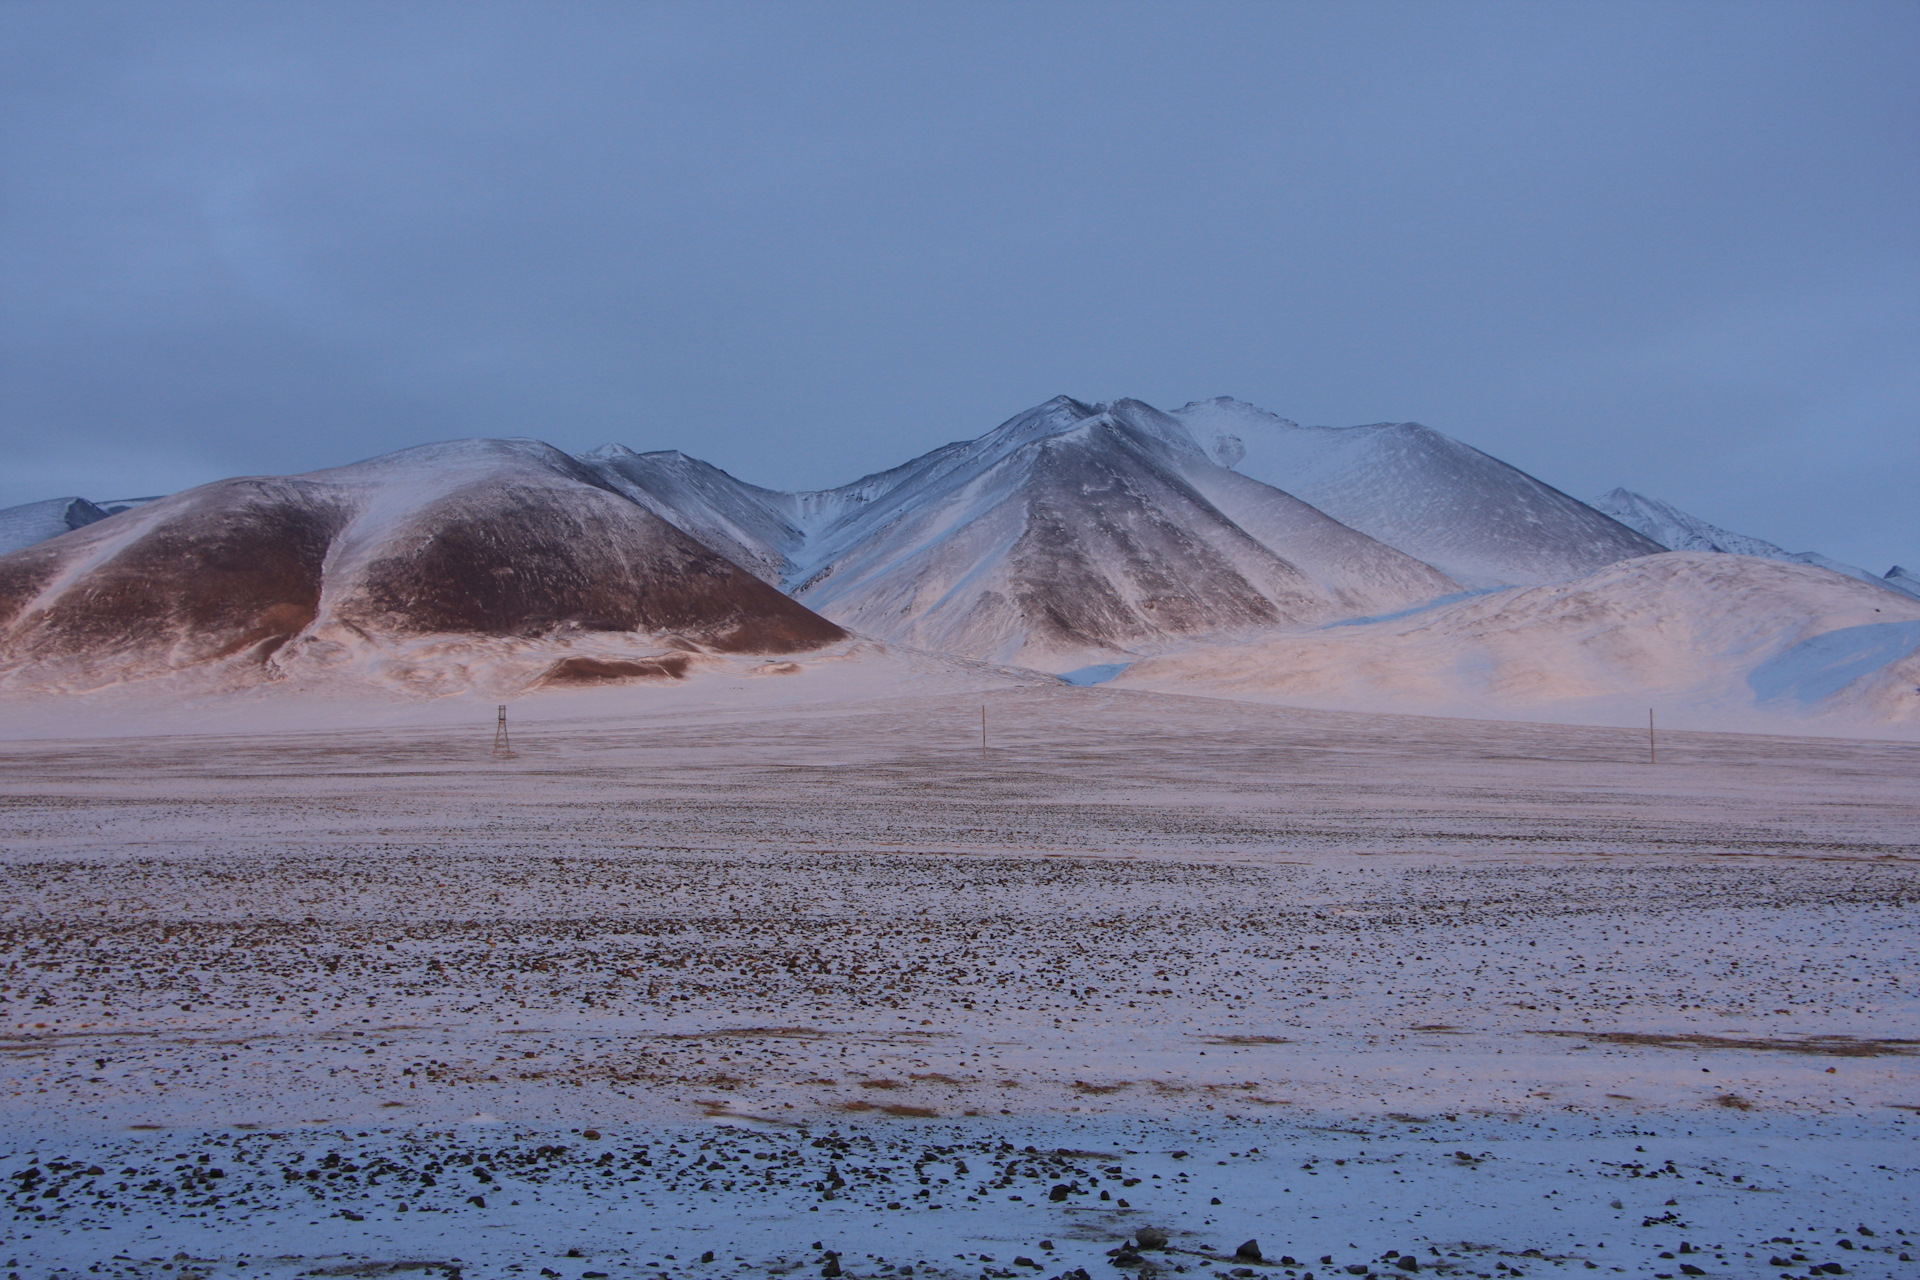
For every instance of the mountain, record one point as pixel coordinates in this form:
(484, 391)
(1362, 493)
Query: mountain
(753, 527)
(510, 540)
(1475, 518)
(1069, 534)
(1072, 534)
(1219, 546)
(33, 522)
(1677, 531)
(1695, 631)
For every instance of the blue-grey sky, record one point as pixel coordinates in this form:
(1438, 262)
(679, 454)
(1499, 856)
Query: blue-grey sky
(1672, 246)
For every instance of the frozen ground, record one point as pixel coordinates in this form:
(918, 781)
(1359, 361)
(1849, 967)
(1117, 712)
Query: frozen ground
(828, 948)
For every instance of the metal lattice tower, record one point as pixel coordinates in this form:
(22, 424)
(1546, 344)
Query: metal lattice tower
(501, 745)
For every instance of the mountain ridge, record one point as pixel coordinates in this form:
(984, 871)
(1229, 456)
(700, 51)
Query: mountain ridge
(507, 541)
(1679, 531)
(1071, 537)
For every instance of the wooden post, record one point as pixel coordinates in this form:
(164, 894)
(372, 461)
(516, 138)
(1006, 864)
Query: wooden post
(502, 746)
(1653, 752)
(983, 731)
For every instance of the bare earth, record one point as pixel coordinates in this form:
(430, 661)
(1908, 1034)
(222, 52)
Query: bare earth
(1140, 915)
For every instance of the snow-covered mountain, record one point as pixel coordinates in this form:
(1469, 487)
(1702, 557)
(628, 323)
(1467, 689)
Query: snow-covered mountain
(1695, 632)
(33, 522)
(1068, 535)
(508, 540)
(753, 527)
(1480, 521)
(1676, 530)
(1217, 546)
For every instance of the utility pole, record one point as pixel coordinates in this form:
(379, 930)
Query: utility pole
(1653, 753)
(983, 731)
(502, 747)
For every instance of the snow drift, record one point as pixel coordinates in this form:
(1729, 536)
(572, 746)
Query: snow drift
(456, 553)
(1708, 633)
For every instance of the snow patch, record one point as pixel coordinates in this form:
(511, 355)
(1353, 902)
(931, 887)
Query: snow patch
(1821, 667)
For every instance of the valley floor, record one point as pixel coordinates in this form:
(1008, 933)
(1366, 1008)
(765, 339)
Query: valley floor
(742, 978)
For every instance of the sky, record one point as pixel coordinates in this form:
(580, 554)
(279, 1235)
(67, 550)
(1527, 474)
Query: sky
(1670, 246)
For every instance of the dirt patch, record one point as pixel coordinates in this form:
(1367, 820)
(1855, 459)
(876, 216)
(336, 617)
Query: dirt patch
(1223, 1039)
(1830, 1046)
(672, 666)
(752, 1033)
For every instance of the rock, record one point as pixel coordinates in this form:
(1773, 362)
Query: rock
(707, 1256)
(1150, 1238)
(1248, 1252)
(1059, 1192)
(832, 1268)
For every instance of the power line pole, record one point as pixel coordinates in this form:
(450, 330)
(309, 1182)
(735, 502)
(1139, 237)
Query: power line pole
(1653, 753)
(983, 731)
(502, 746)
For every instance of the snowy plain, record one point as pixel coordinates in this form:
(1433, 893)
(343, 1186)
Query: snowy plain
(736, 966)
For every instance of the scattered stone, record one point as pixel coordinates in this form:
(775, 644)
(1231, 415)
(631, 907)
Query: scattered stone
(1248, 1252)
